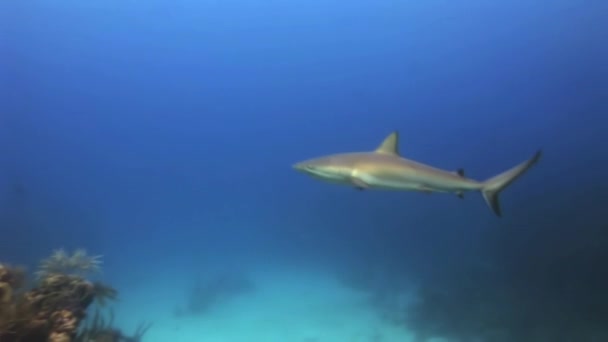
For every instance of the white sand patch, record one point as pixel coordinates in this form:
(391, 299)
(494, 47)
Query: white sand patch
(286, 306)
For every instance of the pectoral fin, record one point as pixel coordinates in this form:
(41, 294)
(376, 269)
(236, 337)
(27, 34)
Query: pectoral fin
(359, 184)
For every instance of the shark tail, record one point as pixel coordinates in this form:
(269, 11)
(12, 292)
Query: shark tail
(492, 187)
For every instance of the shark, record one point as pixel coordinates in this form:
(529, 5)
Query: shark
(385, 169)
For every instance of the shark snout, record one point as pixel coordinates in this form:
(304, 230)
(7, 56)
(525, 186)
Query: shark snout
(299, 166)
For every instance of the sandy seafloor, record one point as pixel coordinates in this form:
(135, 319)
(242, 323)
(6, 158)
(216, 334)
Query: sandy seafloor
(286, 306)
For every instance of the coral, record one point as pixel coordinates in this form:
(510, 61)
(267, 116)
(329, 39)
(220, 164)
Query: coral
(60, 262)
(53, 309)
(11, 278)
(15, 314)
(50, 311)
(59, 291)
(64, 323)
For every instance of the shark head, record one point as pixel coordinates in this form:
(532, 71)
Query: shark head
(339, 168)
(327, 168)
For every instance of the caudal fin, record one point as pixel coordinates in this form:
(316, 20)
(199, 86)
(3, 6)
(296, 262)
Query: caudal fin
(493, 186)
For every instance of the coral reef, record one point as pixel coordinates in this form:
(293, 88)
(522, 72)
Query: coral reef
(53, 308)
(11, 282)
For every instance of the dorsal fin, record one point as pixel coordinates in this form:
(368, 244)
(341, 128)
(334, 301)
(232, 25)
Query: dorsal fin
(390, 145)
(460, 172)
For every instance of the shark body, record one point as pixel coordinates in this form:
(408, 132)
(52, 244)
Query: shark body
(385, 169)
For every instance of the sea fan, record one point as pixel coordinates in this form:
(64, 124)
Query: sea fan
(60, 262)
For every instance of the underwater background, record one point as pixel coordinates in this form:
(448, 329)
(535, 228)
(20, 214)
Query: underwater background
(161, 135)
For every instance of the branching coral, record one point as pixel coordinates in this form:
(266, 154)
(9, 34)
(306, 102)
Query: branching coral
(58, 303)
(60, 262)
(53, 309)
(12, 280)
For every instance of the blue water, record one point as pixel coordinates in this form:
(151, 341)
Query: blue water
(161, 135)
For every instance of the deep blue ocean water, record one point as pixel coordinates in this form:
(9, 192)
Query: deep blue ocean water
(162, 134)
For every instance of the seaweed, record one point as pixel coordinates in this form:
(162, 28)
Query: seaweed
(100, 329)
(104, 293)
